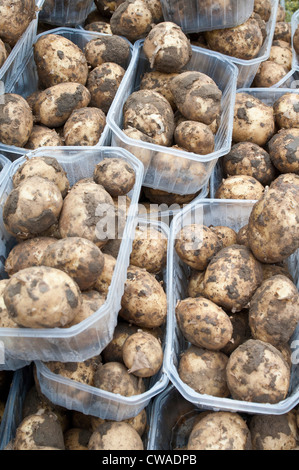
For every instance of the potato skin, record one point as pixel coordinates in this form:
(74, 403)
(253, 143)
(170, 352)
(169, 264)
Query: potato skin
(243, 41)
(149, 250)
(26, 254)
(269, 73)
(114, 377)
(102, 83)
(5, 320)
(203, 323)
(274, 310)
(240, 187)
(3, 53)
(204, 371)
(272, 229)
(42, 297)
(15, 17)
(131, 19)
(284, 150)
(286, 111)
(197, 96)
(167, 48)
(16, 120)
(43, 137)
(160, 82)
(249, 377)
(59, 60)
(39, 431)
(249, 113)
(31, 208)
(44, 167)
(112, 435)
(104, 280)
(195, 137)
(80, 217)
(144, 301)
(142, 354)
(116, 175)
(107, 49)
(264, 433)
(82, 372)
(232, 277)
(56, 103)
(235, 434)
(84, 127)
(196, 245)
(80, 258)
(139, 110)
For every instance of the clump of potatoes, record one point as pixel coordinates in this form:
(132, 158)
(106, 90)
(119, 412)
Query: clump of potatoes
(76, 86)
(60, 279)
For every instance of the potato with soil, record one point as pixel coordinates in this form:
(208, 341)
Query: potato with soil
(3, 53)
(92, 301)
(42, 136)
(5, 319)
(196, 245)
(286, 111)
(103, 83)
(107, 49)
(274, 310)
(281, 53)
(115, 378)
(106, 7)
(26, 254)
(220, 430)
(283, 32)
(273, 231)
(87, 209)
(296, 40)
(84, 127)
(240, 187)
(195, 284)
(160, 82)
(42, 297)
(204, 371)
(77, 439)
(197, 96)
(99, 27)
(59, 60)
(257, 372)
(31, 208)
(203, 323)
(247, 158)
(149, 112)
(149, 249)
(104, 280)
(269, 74)
(132, 19)
(253, 120)
(143, 154)
(113, 351)
(195, 137)
(15, 17)
(227, 235)
(241, 331)
(144, 302)
(113, 435)
(167, 48)
(16, 120)
(82, 372)
(243, 41)
(44, 167)
(271, 432)
(80, 258)
(232, 277)
(41, 431)
(263, 8)
(284, 150)
(142, 354)
(56, 104)
(116, 175)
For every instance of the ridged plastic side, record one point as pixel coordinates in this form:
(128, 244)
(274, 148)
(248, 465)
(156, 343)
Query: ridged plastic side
(65, 12)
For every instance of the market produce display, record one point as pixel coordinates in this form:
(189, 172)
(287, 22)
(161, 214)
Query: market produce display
(197, 347)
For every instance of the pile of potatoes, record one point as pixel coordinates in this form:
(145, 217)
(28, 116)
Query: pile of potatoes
(15, 17)
(76, 89)
(242, 305)
(265, 146)
(46, 426)
(223, 430)
(60, 269)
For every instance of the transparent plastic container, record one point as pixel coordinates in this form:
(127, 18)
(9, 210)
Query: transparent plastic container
(21, 382)
(248, 68)
(26, 82)
(235, 214)
(294, 25)
(88, 338)
(199, 15)
(267, 96)
(96, 402)
(5, 164)
(14, 62)
(65, 12)
(180, 181)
